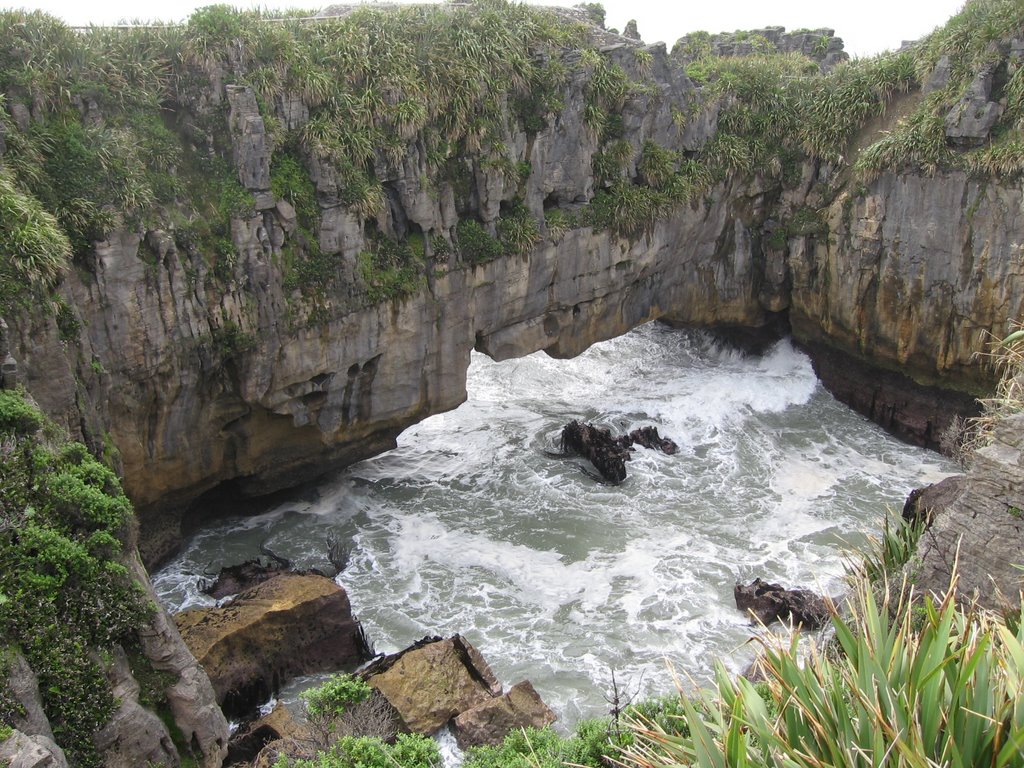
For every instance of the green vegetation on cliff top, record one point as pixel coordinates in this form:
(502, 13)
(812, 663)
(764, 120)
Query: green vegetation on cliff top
(127, 128)
(65, 597)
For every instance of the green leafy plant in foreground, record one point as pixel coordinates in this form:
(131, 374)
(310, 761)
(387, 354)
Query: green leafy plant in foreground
(945, 694)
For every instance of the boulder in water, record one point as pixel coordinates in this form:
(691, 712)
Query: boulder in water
(771, 602)
(608, 454)
(648, 437)
(440, 681)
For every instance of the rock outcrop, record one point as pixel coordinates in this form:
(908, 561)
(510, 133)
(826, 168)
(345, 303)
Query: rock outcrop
(437, 682)
(190, 695)
(433, 681)
(822, 45)
(134, 734)
(22, 751)
(489, 722)
(978, 524)
(286, 626)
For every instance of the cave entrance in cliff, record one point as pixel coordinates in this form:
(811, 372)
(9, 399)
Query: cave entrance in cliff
(475, 525)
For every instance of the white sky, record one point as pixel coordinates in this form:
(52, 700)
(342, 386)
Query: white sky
(866, 26)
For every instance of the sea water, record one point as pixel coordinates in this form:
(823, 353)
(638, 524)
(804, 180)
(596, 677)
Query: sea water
(474, 525)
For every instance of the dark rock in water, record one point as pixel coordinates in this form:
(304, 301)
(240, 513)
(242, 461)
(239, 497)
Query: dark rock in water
(768, 602)
(648, 437)
(609, 454)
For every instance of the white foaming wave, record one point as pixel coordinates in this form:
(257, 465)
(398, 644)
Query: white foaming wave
(538, 577)
(801, 483)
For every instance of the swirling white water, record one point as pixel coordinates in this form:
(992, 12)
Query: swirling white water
(471, 526)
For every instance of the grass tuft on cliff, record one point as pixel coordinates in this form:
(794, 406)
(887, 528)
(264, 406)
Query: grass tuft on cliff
(65, 597)
(1007, 357)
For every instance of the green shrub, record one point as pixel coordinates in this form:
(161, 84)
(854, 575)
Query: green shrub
(390, 270)
(626, 209)
(289, 180)
(16, 416)
(517, 231)
(476, 245)
(64, 594)
(558, 222)
(334, 696)
(34, 250)
(408, 751)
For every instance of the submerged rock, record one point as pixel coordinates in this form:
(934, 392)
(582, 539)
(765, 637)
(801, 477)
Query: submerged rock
(771, 602)
(289, 625)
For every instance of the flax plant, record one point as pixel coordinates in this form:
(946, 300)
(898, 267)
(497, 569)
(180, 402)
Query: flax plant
(890, 696)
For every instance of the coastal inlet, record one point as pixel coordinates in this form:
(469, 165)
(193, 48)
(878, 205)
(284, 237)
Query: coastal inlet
(472, 526)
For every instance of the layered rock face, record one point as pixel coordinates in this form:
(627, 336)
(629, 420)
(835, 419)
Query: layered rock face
(236, 381)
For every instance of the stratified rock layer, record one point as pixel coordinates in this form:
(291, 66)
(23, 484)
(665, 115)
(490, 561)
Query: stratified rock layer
(236, 381)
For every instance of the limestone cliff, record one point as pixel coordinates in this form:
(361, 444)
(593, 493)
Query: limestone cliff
(316, 327)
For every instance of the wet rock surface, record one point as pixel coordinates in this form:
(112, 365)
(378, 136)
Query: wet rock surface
(772, 602)
(609, 454)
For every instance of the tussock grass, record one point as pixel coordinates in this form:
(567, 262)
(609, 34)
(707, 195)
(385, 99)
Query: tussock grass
(1007, 357)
